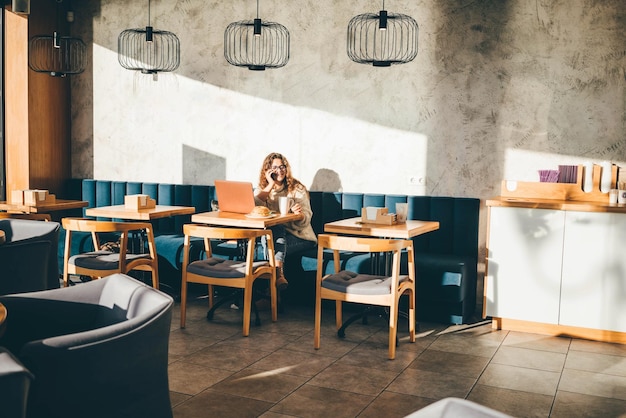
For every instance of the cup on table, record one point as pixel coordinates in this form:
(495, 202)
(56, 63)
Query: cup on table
(613, 193)
(621, 197)
(284, 204)
(402, 210)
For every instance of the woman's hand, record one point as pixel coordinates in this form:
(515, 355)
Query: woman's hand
(296, 208)
(269, 178)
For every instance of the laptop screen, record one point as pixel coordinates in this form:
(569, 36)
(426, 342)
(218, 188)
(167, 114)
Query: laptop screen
(234, 196)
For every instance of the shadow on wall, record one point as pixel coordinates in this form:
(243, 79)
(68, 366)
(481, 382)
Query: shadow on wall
(326, 180)
(201, 167)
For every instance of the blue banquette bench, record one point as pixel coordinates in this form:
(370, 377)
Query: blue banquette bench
(446, 260)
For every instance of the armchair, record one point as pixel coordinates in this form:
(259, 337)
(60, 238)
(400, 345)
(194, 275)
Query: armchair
(97, 349)
(14, 384)
(30, 249)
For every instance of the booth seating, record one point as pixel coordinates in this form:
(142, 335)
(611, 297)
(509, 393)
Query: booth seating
(446, 260)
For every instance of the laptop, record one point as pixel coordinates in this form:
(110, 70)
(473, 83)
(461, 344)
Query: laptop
(234, 196)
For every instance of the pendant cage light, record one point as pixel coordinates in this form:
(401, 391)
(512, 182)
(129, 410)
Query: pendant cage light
(148, 50)
(256, 44)
(55, 54)
(382, 39)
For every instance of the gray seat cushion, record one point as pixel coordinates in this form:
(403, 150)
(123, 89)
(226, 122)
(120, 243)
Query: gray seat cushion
(102, 260)
(359, 284)
(222, 268)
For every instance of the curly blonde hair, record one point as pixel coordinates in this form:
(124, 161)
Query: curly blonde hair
(292, 183)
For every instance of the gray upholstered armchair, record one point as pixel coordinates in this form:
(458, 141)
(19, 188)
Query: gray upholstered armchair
(97, 349)
(14, 383)
(29, 255)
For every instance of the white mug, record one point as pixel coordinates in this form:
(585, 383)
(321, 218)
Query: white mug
(284, 204)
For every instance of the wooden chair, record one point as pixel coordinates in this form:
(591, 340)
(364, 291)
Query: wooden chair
(379, 290)
(100, 263)
(239, 274)
(30, 216)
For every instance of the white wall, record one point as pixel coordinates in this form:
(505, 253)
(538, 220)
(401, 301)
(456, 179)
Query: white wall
(498, 90)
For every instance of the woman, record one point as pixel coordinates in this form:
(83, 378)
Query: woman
(275, 180)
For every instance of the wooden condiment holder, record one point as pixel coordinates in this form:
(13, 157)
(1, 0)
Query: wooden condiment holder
(382, 217)
(139, 201)
(32, 197)
(561, 191)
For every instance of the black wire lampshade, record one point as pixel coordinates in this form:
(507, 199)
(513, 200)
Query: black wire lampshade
(382, 39)
(256, 44)
(56, 55)
(148, 50)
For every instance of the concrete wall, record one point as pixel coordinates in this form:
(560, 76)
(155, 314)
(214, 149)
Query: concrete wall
(499, 90)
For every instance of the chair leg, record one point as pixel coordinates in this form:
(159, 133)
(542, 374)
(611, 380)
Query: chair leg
(393, 332)
(274, 300)
(155, 277)
(183, 303)
(247, 307)
(411, 316)
(318, 322)
(338, 316)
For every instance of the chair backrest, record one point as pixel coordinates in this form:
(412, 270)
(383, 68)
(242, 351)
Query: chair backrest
(90, 225)
(96, 227)
(361, 244)
(209, 233)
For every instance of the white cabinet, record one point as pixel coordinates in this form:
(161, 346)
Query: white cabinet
(593, 291)
(524, 264)
(557, 267)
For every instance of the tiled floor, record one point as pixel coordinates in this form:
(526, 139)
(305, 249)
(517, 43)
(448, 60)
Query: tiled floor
(274, 372)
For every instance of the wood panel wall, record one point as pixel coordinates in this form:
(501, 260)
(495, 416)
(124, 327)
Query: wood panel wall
(37, 108)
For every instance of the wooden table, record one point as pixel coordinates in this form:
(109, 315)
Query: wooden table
(59, 204)
(240, 220)
(121, 212)
(354, 226)
(3, 317)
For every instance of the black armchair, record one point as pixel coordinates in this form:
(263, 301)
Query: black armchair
(29, 255)
(14, 383)
(97, 349)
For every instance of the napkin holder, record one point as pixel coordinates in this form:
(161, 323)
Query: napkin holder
(379, 216)
(32, 197)
(139, 201)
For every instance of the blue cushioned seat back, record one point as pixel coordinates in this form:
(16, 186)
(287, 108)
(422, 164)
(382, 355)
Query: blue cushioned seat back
(392, 199)
(166, 195)
(88, 193)
(317, 222)
(331, 208)
(133, 187)
(201, 197)
(375, 200)
(351, 204)
(104, 196)
(118, 191)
